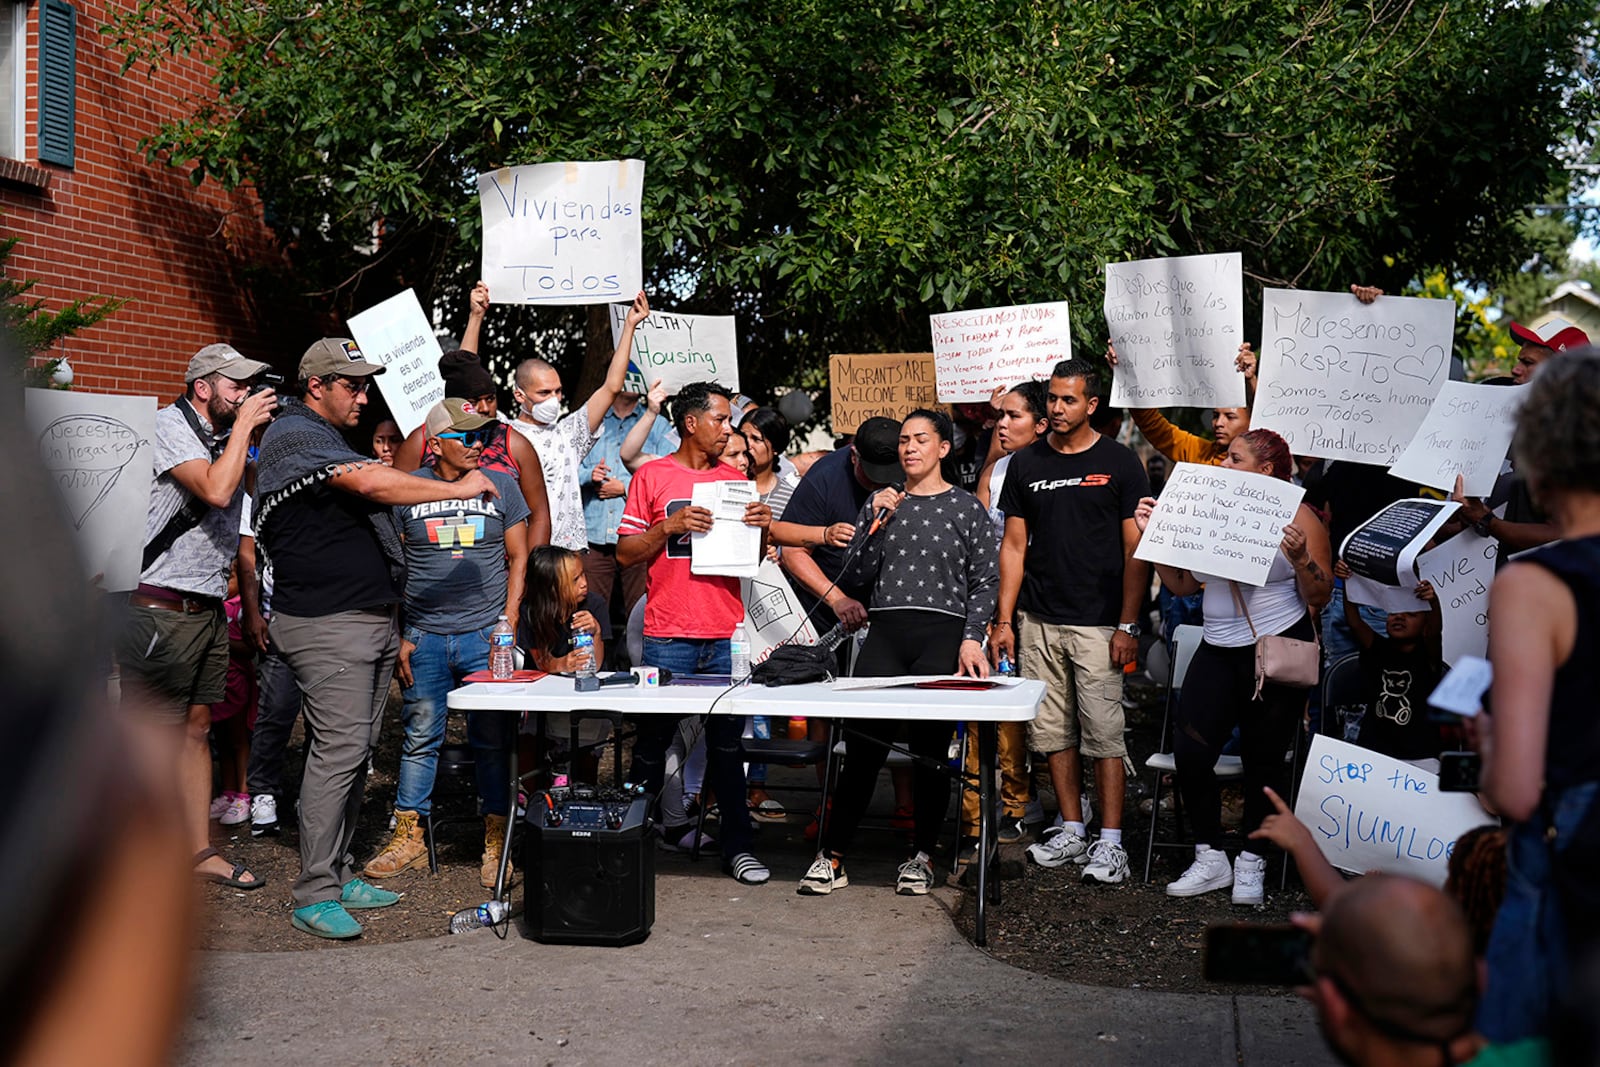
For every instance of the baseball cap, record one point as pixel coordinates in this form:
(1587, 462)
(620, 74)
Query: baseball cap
(1558, 335)
(336, 355)
(225, 360)
(877, 445)
(454, 413)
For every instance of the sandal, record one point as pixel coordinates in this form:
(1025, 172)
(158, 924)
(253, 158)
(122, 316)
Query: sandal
(768, 810)
(232, 879)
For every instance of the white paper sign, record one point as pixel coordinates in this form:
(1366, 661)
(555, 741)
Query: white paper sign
(772, 615)
(1345, 380)
(730, 548)
(563, 233)
(1220, 521)
(1368, 812)
(679, 349)
(99, 452)
(1176, 324)
(975, 351)
(1461, 571)
(1461, 691)
(1467, 431)
(397, 334)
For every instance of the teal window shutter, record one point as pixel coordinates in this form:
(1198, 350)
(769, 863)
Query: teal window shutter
(58, 82)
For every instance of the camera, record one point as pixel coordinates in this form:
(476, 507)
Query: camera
(267, 379)
(1459, 772)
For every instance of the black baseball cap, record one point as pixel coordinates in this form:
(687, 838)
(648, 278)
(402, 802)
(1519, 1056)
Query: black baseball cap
(877, 444)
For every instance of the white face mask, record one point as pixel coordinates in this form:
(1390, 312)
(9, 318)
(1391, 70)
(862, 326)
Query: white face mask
(958, 438)
(546, 411)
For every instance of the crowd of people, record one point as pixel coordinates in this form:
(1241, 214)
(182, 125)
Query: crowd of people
(288, 572)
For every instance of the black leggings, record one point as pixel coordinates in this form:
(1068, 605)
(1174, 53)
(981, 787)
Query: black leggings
(899, 642)
(1215, 699)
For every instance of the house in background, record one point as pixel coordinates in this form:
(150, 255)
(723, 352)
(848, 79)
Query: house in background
(96, 218)
(1577, 303)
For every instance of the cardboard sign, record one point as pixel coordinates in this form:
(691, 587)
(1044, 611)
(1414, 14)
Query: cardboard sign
(99, 452)
(1467, 431)
(1461, 571)
(892, 385)
(678, 349)
(1368, 812)
(1220, 521)
(1345, 380)
(563, 233)
(1176, 324)
(975, 351)
(772, 614)
(397, 334)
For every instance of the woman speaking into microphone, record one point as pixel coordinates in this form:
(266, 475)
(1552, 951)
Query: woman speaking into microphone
(929, 553)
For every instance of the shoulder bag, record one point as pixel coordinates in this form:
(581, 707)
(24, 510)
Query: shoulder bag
(1281, 660)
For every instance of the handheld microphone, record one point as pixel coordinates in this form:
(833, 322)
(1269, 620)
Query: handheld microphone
(883, 513)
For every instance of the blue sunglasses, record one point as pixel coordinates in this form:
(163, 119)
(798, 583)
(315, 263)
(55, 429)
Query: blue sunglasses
(468, 438)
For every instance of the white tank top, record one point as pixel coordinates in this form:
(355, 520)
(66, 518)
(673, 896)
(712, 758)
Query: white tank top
(1274, 607)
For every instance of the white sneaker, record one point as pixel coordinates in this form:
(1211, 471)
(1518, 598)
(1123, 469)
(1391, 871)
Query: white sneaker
(263, 814)
(916, 878)
(1108, 863)
(1210, 870)
(1249, 880)
(1059, 848)
(219, 806)
(237, 811)
(822, 878)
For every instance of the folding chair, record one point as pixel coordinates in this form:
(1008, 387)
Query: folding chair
(1185, 640)
(1341, 688)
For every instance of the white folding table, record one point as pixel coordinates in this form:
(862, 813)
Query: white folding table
(1017, 702)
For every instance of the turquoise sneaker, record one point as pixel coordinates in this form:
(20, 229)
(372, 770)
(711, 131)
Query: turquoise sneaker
(326, 919)
(359, 894)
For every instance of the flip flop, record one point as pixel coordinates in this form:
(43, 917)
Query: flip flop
(232, 879)
(769, 810)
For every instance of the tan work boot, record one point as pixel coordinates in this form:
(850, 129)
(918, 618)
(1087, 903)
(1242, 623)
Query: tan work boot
(494, 838)
(405, 851)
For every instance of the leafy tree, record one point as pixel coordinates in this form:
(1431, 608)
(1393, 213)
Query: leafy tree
(37, 329)
(832, 171)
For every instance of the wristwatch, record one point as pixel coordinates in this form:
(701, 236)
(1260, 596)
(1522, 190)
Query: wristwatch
(1129, 628)
(1481, 527)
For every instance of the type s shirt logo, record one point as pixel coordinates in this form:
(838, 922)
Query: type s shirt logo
(1088, 481)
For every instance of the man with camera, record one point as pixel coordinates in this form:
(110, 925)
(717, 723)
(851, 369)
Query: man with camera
(173, 647)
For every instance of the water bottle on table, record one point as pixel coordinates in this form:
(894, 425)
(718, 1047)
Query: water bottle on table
(501, 662)
(583, 672)
(739, 654)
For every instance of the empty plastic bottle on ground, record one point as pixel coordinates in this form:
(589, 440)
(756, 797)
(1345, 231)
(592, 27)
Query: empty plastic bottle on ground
(501, 663)
(488, 914)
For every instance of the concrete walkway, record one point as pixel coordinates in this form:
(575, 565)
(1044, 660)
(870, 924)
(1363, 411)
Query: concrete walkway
(729, 975)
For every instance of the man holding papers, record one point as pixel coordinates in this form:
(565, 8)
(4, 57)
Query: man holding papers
(690, 613)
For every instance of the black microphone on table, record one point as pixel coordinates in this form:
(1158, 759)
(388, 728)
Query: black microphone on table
(883, 513)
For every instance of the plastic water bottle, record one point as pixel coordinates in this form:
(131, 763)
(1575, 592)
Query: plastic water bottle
(1004, 667)
(739, 654)
(583, 649)
(490, 914)
(501, 663)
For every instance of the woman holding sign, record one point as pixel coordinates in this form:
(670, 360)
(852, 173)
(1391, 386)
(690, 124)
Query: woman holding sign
(1541, 747)
(1220, 689)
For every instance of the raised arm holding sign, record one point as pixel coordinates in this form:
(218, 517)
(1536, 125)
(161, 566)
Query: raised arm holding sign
(1176, 325)
(1342, 379)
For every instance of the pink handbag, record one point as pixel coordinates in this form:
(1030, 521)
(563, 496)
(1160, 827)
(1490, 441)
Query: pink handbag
(1281, 660)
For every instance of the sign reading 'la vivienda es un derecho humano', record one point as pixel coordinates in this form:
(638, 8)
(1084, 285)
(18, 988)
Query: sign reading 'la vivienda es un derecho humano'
(1176, 324)
(677, 349)
(563, 233)
(396, 334)
(975, 351)
(1340, 379)
(1220, 521)
(891, 385)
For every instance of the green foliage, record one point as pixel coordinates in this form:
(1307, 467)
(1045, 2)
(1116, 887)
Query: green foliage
(832, 171)
(37, 330)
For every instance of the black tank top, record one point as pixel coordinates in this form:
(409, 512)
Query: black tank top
(1572, 753)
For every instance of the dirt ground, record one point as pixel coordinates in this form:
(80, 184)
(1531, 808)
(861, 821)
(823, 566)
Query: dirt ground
(1129, 935)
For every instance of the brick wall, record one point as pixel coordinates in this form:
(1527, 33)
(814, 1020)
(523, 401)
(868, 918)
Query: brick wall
(119, 226)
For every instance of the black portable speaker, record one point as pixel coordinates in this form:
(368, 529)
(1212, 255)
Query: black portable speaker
(589, 869)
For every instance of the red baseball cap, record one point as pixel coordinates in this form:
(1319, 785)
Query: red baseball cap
(1558, 335)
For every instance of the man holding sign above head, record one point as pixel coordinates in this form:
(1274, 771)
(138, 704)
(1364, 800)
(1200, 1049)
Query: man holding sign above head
(562, 443)
(1070, 593)
(1222, 691)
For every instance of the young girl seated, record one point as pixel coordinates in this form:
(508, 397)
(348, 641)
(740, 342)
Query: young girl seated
(557, 603)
